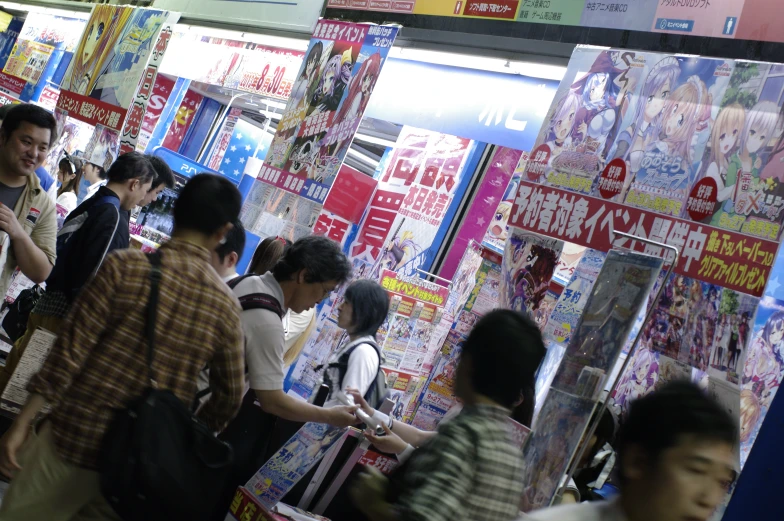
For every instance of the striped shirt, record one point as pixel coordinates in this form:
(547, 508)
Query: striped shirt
(472, 470)
(98, 363)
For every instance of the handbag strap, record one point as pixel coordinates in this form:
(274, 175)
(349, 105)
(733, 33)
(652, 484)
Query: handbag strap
(152, 308)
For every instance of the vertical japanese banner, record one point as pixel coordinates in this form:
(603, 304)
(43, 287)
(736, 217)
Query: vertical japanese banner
(328, 99)
(421, 179)
(416, 307)
(129, 138)
(108, 64)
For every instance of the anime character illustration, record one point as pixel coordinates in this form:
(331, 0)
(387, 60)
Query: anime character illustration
(639, 380)
(648, 117)
(498, 229)
(305, 85)
(532, 278)
(703, 318)
(743, 170)
(724, 140)
(719, 356)
(736, 350)
(399, 251)
(332, 83)
(103, 30)
(766, 360)
(559, 131)
(359, 89)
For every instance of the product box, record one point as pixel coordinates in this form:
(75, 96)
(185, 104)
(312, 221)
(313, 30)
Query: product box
(244, 507)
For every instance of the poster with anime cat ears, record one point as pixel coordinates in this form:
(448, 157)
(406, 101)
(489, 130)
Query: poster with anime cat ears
(680, 136)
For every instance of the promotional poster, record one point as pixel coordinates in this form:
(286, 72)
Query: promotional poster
(327, 102)
(528, 265)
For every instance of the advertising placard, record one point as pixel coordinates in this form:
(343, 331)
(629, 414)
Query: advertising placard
(326, 105)
(28, 60)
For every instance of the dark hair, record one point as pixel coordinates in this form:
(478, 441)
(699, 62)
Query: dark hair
(132, 165)
(163, 174)
(27, 113)
(4, 110)
(658, 421)
(369, 306)
(267, 254)
(70, 164)
(206, 203)
(319, 256)
(235, 242)
(505, 349)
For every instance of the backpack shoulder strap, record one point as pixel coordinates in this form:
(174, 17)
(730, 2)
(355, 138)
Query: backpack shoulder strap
(261, 301)
(108, 199)
(233, 283)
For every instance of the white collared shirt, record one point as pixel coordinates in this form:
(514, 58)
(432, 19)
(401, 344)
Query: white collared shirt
(589, 511)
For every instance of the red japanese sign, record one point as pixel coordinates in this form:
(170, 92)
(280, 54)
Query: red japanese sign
(611, 181)
(331, 225)
(182, 120)
(11, 84)
(350, 194)
(160, 95)
(49, 97)
(721, 257)
(385, 464)
(91, 110)
(245, 507)
(501, 9)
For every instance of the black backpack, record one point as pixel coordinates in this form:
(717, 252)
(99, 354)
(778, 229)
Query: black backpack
(159, 463)
(378, 391)
(15, 322)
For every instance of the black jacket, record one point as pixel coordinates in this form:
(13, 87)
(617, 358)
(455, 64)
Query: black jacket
(97, 227)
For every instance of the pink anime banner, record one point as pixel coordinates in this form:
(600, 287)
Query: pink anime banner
(327, 102)
(680, 136)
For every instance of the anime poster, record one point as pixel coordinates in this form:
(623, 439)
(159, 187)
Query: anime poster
(663, 145)
(182, 120)
(528, 265)
(704, 300)
(161, 91)
(620, 291)
(103, 147)
(638, 379)
(569, 307)
(286, 467)
(327, 102)
(741, 176)
(304, 375)
(546, 373)
(424, 175)
(732, 336)
(638, 323)
(403, 387)
(555, 437)
(497, 229)
(254, 204)
(667, 331)
(762, 372)
(542, 314)
(113, 52)
(567, 262)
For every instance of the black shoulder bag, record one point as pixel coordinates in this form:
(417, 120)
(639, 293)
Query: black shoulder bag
(159, 462)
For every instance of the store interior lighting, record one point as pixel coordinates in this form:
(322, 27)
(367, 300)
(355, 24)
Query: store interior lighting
(283, 42)
(14, 6)
(470, 61)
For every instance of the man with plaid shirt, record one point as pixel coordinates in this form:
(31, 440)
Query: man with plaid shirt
(472, 469)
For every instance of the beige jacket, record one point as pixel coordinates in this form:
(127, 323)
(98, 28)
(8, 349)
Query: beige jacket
(38, 216)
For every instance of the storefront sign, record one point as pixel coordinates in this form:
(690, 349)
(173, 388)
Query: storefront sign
(181, 164)
(11, 85)
(28, 60)
(752, 19)
(48, 98)
(328, 99)
(503, 109)
(109, 62)
(716, 256)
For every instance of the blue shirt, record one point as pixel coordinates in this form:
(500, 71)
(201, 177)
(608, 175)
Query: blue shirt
(46, 179)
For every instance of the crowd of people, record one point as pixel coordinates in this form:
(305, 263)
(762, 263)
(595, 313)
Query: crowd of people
(223, 342)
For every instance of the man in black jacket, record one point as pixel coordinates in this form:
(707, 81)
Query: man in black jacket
(96, 227)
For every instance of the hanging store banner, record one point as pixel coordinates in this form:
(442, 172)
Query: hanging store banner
(133, 124)
(327, 102)
(11, 85)
(108, 64)
(743, 19)
(160, 95)
(28, 60)
(249, 67)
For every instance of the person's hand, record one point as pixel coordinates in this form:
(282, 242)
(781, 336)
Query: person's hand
(360, 400)
(369, 490)
(9, 223)
(343, 416)
(391, 443)
(10, 444)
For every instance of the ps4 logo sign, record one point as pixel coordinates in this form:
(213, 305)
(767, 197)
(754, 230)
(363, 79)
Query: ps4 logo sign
(494, 114)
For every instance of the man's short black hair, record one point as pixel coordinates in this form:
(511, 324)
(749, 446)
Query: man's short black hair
(660, 420)
(206, 203)
(132, 165)
(235, 242)
(369, 306)
(33, 114)
(319, 256)
(505, 349)
(163, 173)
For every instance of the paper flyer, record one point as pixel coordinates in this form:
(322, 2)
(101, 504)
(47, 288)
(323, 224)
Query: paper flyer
(732, 340)
(15, 394)
(528, 265)
(621, 290)
(327, 102)
(569, 307)
(287, 466)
